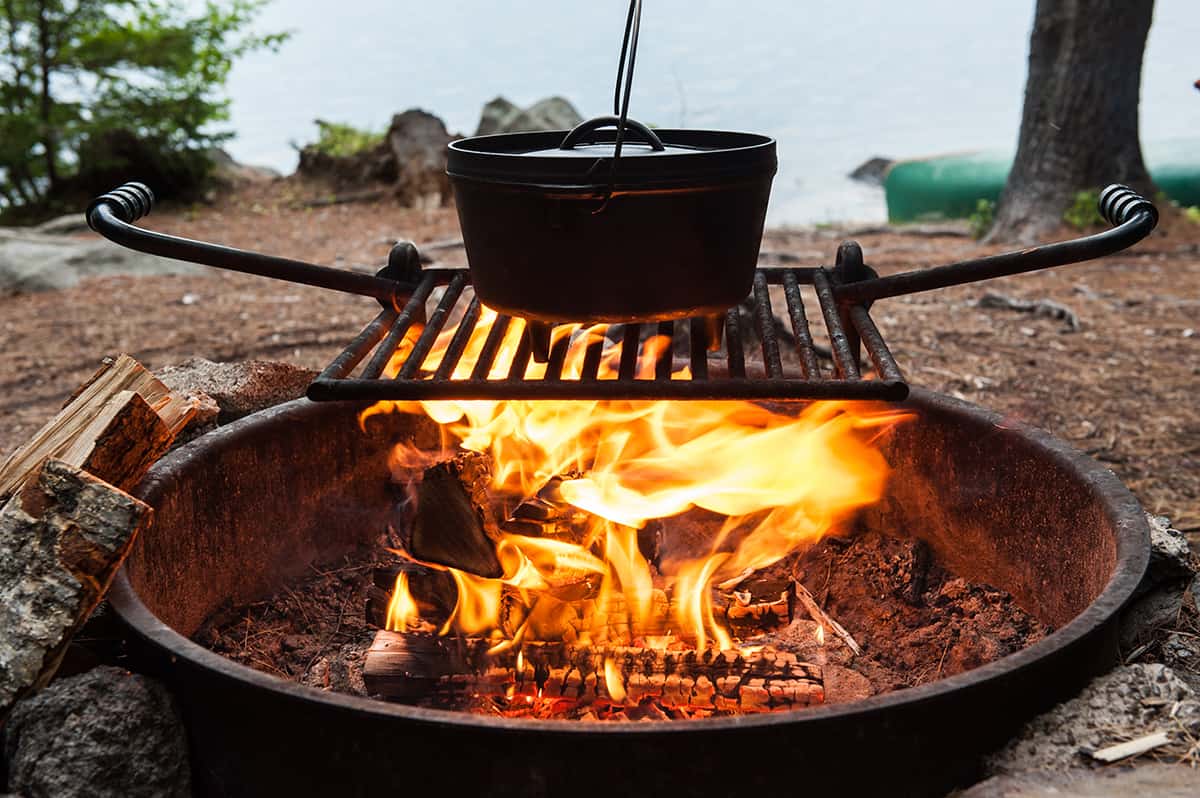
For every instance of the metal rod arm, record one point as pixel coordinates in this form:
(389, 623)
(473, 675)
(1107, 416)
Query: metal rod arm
(1132, 215)
(112, 216)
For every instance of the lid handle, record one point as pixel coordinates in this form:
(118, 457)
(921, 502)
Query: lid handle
(577, 134)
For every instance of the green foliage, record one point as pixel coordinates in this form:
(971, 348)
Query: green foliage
(343, 141)
(85, 85)
(983, 217)
(1084, 210)
(1192, 214)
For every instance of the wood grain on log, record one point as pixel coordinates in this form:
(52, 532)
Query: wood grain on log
(411, 667)
(62, 538)
(114, 427)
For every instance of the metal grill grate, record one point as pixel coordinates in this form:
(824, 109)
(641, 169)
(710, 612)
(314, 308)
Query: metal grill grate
(401, 355)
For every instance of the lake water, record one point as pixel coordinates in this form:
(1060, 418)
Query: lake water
(834, 82)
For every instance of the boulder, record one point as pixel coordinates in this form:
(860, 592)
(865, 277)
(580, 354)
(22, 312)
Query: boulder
(1159, 597)
(417, 141)
(227, 171)
(103, 733)
(873, 171)
(228, 391)
(502, 116)
(32, 261)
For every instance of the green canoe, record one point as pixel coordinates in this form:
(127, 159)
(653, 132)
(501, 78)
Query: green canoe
(950, 186)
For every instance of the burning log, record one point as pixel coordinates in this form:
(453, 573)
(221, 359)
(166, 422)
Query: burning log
(62, 538)
(455, 524)
(604, 620)
(412, 667)
(115, 426)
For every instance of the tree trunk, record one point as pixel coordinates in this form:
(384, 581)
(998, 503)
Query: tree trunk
(1079, 128)
(49, 139)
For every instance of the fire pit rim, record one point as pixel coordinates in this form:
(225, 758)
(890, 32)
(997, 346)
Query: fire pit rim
(1131, 560)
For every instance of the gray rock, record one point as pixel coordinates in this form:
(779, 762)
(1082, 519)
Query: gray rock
(236, 389)
(1151, 613)
(1160, 781)
(32, 262)
(68, 224)
(229, 172)
(1159, 597)
(1131, 701)
(103, 733)
(1170, 555)
(1182, 654)
(418, 144)
(872, 171)
(502, 116)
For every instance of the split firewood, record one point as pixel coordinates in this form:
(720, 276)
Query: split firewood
(455, 524)
(62, 538)
(820, 616)
(413, 667)
(114, 427)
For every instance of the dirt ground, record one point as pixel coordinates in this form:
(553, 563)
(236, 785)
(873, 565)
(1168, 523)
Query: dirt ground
(1124, 387)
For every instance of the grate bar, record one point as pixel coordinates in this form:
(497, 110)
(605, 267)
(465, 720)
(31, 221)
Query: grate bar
(462, 336)
(353, 354)
(735, 348)
(881, 356)
(698, 338)
(629, 352)
(591, 358)
(844, 359)
(663, 360)
(433, 328)
(387, 332)
(765, 321)
(558, 356)
(414, 307)
(804, 342)
(520, 361)
(491, 347)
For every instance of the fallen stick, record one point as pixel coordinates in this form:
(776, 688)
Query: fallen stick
(820, 616)
(62, 538)
(412, 667)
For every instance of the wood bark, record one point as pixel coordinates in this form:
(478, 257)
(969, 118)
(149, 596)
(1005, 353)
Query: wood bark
(409, 667)
(1079, 127)
(114, 427)
(62, 538)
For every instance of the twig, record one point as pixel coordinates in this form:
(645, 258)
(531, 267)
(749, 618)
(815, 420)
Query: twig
(820, 616)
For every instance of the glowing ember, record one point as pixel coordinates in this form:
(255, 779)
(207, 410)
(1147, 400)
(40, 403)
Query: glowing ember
(780, 482)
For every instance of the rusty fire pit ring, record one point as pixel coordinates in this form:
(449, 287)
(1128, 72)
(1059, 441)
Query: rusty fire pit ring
(253, 734)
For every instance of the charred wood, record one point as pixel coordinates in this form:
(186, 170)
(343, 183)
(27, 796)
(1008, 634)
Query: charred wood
(455, 524)
(411, 667)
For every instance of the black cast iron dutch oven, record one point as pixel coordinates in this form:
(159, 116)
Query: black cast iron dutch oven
(576, 226)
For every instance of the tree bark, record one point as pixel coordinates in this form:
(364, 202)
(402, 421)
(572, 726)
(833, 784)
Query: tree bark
(62, 538)
(1079, 127)
(49, 139)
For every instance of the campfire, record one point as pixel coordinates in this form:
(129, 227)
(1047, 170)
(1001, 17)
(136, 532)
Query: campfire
(604, 559)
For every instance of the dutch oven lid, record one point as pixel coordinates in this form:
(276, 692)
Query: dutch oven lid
(586, 157)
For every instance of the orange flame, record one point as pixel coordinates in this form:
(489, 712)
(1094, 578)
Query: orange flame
(402, 608)
(781, 481)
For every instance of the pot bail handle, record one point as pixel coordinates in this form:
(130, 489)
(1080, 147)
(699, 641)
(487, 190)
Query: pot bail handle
(577, 133)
